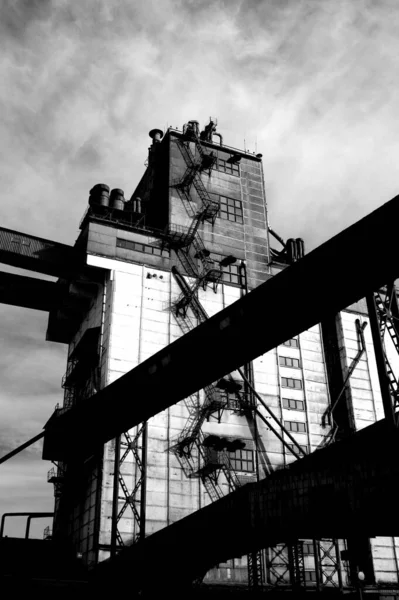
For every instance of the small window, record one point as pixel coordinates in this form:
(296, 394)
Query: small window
(293, 343)
(231, 210)
(308, 548)
(242, 460)
(289, 382)
(287, 361)
(295, 426)
(293, 404)
(310, 576)
(231, 273)
(154, 250)
(294, 448)
(227, 167)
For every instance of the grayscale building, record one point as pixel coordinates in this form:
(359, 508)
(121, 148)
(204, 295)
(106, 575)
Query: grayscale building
(193, 238)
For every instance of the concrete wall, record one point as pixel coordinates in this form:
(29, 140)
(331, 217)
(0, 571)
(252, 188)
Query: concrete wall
(364, 392)
(247, 241)
(82, 511)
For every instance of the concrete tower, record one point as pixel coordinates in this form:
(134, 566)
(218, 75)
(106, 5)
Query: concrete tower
(192, 239)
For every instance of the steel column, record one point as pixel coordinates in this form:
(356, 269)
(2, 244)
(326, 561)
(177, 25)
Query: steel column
(115, 497)
(143, 491)
(380, 360)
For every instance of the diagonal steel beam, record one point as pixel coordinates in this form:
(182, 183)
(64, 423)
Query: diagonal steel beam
(344, 269)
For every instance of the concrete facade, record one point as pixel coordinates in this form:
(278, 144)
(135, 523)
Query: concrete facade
(132, 311)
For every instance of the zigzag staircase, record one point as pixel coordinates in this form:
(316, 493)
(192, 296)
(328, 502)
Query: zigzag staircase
(197, 460)
(388, 318)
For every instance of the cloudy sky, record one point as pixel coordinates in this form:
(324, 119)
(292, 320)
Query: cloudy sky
(311, 84)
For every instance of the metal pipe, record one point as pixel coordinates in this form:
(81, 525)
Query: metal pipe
(115, 496)
(248, 369)
(316, 550)
(380, 360)
(355, 362)
(219, 136)
(22, 447)
(143, 491)
(277, 237)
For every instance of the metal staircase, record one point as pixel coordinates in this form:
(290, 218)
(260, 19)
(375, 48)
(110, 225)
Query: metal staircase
(198, 458)
(388, 319)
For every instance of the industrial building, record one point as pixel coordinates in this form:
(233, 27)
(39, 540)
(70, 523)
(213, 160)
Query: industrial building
(193, 239)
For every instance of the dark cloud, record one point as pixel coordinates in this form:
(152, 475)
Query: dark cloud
(16, 16)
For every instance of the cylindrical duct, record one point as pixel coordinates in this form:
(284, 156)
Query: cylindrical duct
(137, 205)
(99, 195)
(300, 248)
(117, 199)
(156, 135)
(291, 250)
(194, 126)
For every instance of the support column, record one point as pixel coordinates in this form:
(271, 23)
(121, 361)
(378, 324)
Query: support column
(380, 360)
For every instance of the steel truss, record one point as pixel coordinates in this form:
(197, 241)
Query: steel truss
(287, 565)
(129, 492)
(327, 564)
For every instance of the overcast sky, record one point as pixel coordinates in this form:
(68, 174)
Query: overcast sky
(311, 84)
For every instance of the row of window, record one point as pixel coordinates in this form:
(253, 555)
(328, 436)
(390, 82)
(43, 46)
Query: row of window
(293, 404)
(289, 382)
(129, 245)
(295, 426)
(287, 361)
(226, 167)
(242, 460)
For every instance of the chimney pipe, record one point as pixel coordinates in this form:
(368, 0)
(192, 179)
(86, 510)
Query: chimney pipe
(156, 135)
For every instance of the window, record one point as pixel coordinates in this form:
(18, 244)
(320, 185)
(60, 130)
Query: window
(304, 448)
(129, 245)
(293, 404)
(310, 576)
(287, 361)
(291, 383)
(231, 273)
(295, 426)
(293, 343)
(227, 167)
(242, 460)
(308, 548)
(231, 209)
